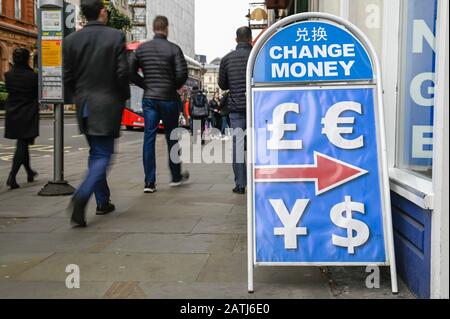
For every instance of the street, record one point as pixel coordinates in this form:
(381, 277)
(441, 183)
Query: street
(43, 148)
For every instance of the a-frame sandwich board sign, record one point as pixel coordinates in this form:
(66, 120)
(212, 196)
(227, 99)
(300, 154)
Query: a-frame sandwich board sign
(318, 184)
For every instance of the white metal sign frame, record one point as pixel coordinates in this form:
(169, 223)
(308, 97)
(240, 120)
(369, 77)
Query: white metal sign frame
(381, 136)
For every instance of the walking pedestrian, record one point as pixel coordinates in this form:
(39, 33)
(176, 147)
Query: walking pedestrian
(96, 71)
(22, 113)
(199, 111)
(232, 77)
(164, 71)
(214, 106)
(225, 114)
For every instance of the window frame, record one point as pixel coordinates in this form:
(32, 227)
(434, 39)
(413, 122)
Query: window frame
(18, 9)
(408, 184)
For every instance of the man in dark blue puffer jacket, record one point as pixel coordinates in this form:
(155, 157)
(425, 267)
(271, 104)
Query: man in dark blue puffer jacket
(232, 77)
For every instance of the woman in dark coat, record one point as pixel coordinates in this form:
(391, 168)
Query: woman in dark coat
(22, 113)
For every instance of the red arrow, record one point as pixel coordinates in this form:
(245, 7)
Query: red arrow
(327, 173)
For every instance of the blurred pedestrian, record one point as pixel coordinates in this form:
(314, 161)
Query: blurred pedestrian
(96, 71)
(232, 77)
(165, 71)
(22, 113)
(214, 106)
(225, 114)
(199, 111)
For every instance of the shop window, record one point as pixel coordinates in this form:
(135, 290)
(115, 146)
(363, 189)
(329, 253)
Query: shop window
(416, 87)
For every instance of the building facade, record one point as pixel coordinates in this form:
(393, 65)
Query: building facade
(138, 10)
(211, 78)
(181, 15)
(411, 39)
(17, 29)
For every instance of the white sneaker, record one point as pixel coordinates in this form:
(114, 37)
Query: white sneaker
(184, 178)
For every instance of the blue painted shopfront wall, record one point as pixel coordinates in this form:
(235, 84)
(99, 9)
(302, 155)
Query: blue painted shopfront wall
(412, 236)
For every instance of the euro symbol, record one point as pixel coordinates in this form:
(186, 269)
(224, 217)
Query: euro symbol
(334, 132)
(279, 128)
(342, 216)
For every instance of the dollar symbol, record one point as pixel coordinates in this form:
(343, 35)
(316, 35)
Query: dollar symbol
(342, 216)
(334, 132)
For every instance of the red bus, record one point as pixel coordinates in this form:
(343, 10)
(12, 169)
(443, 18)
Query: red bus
(133, 115)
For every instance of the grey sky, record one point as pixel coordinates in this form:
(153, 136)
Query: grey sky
(216, 22)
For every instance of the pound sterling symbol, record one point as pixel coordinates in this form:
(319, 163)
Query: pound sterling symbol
(341, 215)
(279, 128)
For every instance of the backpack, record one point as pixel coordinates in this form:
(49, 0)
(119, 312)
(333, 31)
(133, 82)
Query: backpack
(199, 105)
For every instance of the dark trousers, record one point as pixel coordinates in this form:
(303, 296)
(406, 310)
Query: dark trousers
(238, 120)
(154, 112)
(225, 124)
(100, 154)
(196, 122)
(21, 157)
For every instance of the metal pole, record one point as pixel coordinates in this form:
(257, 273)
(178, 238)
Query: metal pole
(58, 187)
(58, 158)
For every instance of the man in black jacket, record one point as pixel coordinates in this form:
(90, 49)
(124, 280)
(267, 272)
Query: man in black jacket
(96, 72)
(165, 71)
(232, 77)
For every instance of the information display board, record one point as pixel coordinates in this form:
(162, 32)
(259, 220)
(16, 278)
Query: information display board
(51, 33)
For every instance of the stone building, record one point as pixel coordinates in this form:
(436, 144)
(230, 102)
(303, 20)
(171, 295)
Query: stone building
(17, 29)
(181, 15)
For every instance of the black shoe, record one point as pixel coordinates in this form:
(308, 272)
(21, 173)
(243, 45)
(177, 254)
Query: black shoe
(32, 176)
(239, 190)
(105, 209)
(150, 188)
(184, 178)
(78, 215)
(11, 183)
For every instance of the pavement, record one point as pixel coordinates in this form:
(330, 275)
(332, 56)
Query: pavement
(188, 242)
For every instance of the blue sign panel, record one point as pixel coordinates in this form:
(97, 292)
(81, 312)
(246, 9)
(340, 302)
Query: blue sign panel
(312, 52)
(418, 83)
(317, 189)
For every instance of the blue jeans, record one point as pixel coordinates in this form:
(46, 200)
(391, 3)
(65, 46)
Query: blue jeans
(238, 120)
(101, 151)
(154, 112)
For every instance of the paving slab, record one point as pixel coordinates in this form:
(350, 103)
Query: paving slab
(172, 210)
(221, 225)
(33, 225)
(133, 225)
(350, 283)
(35, 206)
(174, 243)
(51, 290)
(233, 268)
(35, 243)
(230, 291)
(12, 265)
(120, 267)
